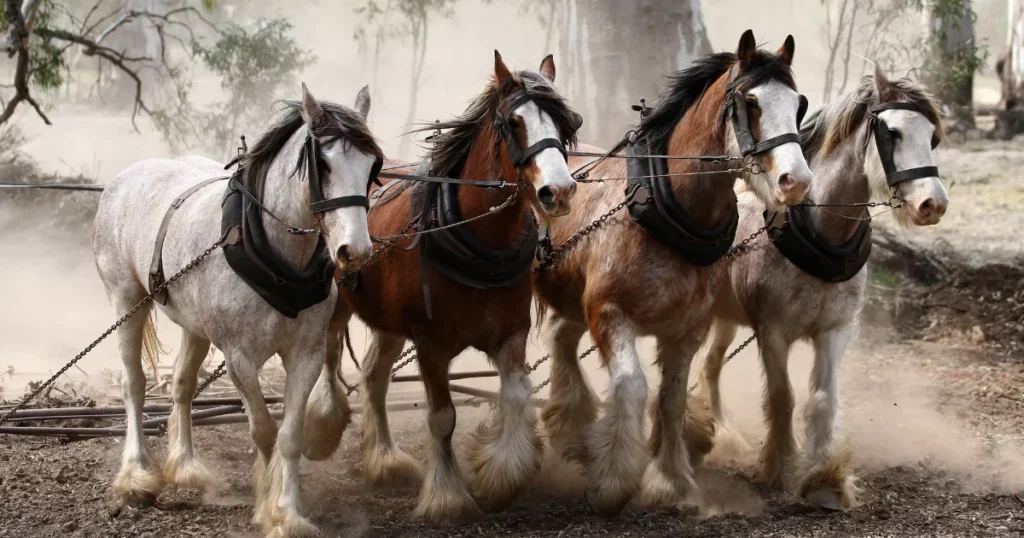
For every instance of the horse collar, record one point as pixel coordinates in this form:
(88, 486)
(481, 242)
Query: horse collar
(653, 205)
(801, 243)
(886, 145)
(735, 108)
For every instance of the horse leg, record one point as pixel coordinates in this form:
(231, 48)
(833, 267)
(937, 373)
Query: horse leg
(383, 462)
(827, 479)
(779, 447)
(443, 496)
(682, 430)
(728, 441)
(721, 336)
(140, 479)
(328, 412)
(183, 468)
(572, 405)
(245, 376)
(506, 453)
(616, 453)
(283, 507)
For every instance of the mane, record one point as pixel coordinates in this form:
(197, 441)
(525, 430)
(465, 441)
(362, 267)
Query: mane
(828, 126)
(686, 87)
(451, 148)
(257, 161)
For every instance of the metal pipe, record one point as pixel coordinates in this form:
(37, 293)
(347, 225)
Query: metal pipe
(202, 413)
(451, 376)
(55, 186)
(67, 431)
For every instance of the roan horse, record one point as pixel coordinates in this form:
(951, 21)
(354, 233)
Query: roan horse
(214, 305)
(621, 283)
(516, 111)
(876, 142)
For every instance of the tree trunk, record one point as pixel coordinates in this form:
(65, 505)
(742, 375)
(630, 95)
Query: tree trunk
(1010, 68)
(949, 71)
(628, 48)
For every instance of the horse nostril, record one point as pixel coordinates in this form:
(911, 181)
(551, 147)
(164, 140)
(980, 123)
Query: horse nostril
(546, 195)
(572, 189)
(343, 253)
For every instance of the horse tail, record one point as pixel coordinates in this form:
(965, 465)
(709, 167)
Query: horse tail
(151, 346)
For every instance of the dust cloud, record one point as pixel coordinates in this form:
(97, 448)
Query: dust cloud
(54, 304)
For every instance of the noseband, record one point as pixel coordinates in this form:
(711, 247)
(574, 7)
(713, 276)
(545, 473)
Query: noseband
(735, 107)
(516, 153)
(886, 143)
(317, 202)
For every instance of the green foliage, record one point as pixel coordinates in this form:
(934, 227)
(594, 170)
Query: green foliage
(253, 64)
(380, 14)
(47, 69)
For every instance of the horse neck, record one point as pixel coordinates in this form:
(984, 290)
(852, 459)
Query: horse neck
(839, 179)
(708, 196)
(285, 196)
(500, 230)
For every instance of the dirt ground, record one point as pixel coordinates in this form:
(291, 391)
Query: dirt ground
(931, 406)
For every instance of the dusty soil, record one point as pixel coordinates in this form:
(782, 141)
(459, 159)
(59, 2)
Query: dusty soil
(931, 405)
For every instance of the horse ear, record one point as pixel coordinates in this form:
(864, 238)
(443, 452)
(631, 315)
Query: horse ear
(501, 73)
(363, 101)
(312, 113)
(786, 51)
(547, 66)
(746, 48)
(883, 88)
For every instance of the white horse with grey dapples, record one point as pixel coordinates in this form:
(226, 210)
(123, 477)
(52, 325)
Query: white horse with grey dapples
(212, 303)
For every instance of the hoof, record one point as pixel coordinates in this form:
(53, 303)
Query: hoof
(657, 489)
(831, 485)
(391, 468)
(187, 473)
(609, 496)
(326, 420)
(138, 486)
(293, 526)
(451, 506)
(503, 463)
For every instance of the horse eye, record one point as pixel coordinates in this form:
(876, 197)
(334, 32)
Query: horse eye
(513, 123)
(752, 101)
(895, 134)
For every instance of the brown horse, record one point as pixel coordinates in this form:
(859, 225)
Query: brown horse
(622, 283)
(516, 131)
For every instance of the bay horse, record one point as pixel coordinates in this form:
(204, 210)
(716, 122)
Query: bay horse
(622, 283)
(515, 131)
(213, 304)
(857, 146)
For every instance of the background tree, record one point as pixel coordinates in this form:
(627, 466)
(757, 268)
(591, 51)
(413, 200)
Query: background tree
(953, 57)
(1010, 68)
(153, 47)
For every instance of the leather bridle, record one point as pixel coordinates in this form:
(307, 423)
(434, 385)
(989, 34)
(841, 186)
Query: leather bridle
(516, 153)
(735, 108)
(317, 202)
(886, 144)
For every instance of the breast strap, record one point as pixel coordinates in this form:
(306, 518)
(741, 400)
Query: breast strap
(803, 245)
(156, 267)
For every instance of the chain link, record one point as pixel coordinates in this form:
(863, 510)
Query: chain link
(553, 254)
(735, 352)
(145, 300)
(217, 374)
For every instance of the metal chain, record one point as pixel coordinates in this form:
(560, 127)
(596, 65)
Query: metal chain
(145, 300)
(553, 254)
(217, 374)
(732, 355)
(548, 380)
(408, 357)
(743, 246)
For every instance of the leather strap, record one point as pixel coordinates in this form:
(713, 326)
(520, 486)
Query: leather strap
(156, 269)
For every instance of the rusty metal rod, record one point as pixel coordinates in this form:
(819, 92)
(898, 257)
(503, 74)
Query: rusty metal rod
(77, 432)
(81, 412)
(198, 414)
(451, 376)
